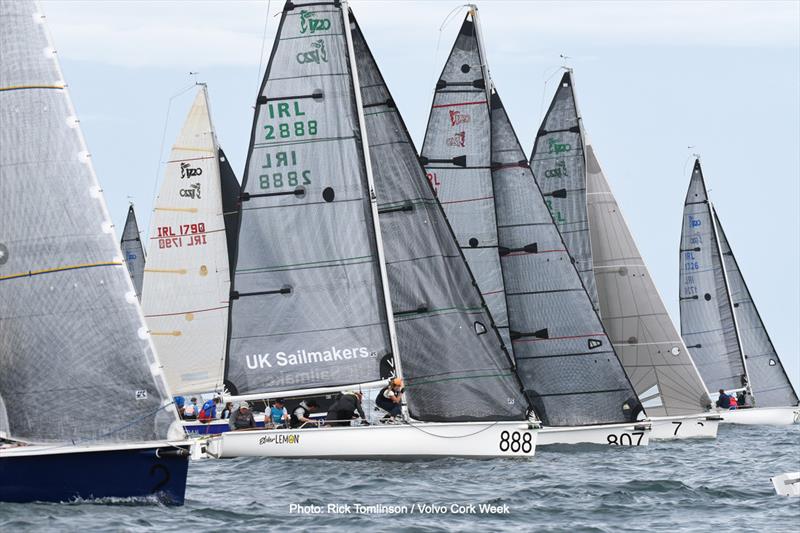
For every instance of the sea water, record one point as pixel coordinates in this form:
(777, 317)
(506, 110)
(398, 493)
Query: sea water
(711, 485)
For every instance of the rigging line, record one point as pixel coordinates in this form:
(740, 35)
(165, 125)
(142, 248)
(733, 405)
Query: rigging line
(263, 45)
(544, 88)
(164, 135)
(419, 428)
(439, 42)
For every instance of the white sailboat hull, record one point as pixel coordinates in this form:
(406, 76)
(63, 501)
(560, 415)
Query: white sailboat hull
(607, 434)
(787, 484)
(417, 440)
(762, 416)
(699, 426)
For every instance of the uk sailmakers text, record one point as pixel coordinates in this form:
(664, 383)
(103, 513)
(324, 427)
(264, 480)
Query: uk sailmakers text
(303, 357)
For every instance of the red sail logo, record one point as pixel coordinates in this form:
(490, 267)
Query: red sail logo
(457, 139)
(457, 117)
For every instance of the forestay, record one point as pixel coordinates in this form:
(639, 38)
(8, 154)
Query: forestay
(770, 384)
(70, 324)
(454, 362)
(653, 354)
(307, 311)
(559, 164)
(133, 252)
(707, 321)
(187, 281)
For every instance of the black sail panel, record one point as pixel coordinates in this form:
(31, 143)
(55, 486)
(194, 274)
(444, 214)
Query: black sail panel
(230, 205)
(453, 360)
(570, 369)
(770, 384)
(559, 165)
(707, 322)
(307, 309)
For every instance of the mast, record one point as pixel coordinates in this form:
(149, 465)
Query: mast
(373, 199)
(747, 387)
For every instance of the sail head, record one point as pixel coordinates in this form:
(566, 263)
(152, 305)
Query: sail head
(133, 252)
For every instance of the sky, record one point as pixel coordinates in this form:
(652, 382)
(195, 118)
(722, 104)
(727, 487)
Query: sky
(655, 82)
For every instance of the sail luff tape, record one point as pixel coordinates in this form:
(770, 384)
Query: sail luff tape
(58, 269)
(178, 209)
(166, 270)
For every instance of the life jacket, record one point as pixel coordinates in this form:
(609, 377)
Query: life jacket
(205, 412)
(733, 403)
(294, 420)
(190, 410)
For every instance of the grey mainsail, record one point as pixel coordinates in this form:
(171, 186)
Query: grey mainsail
(770, 384)
(566, 363)
(306, 310)
(70, 324)
(457, 155)
(453, 359)
(707, 323)
(559, 164)
(652, 352)
(133, 252)
(230, 205)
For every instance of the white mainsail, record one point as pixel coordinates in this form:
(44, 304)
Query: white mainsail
(187, 281)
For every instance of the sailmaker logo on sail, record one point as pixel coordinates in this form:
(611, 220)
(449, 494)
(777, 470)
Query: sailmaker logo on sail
(303, 357)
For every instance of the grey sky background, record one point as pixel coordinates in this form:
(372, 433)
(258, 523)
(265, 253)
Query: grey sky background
(652, 79)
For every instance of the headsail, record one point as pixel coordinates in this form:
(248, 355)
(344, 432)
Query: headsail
(566, 363)
(652, 352)
(453, 359)
(133, 252)
(307, 310)
(70, 324)
(770, 384)
(230, 206)
(559, 164)
(187, 281)
(707, 323)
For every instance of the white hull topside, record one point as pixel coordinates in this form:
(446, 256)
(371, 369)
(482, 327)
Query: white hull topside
(633, 434)
(699, 426)
(418, 440)
(762, 416)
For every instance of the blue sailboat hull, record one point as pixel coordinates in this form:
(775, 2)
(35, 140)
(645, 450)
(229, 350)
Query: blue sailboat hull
(147, 473)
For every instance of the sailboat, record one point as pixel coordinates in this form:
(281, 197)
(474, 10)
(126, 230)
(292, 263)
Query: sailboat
(70, 324)
(133, 252)
(187, 279)
(720, 322)
(347, 272)
(619, 283)
(484, 182)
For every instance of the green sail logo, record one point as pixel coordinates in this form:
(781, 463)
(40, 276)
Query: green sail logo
(309, 24)
(557, 147)
(559, 171)
(316, 55)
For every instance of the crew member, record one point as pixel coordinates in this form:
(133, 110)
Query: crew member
(390, 398)
(301, 416)
(344, 409)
